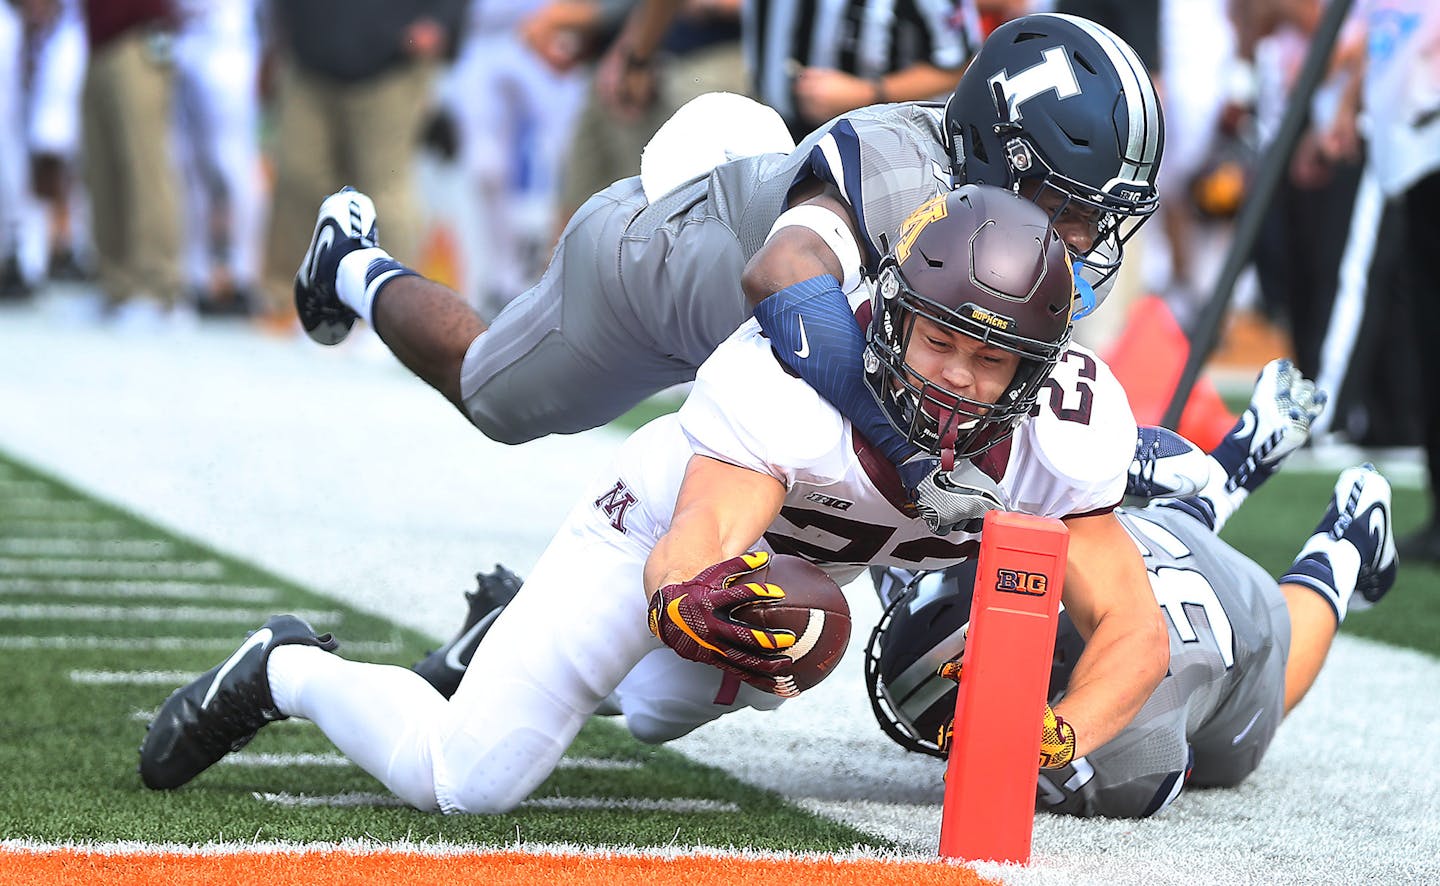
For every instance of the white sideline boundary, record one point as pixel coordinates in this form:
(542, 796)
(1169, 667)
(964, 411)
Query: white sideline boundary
(439, 848)
(335, 468)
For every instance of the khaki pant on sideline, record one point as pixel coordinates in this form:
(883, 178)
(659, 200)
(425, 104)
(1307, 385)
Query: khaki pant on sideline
(129, 171)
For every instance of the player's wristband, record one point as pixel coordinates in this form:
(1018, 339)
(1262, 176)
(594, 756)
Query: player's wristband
(362, 274)
(813, 330)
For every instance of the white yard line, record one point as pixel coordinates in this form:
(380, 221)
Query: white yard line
(103, 549)
(246, 758)
(81, 643)
(439, 847)
(132, 678)
(66, 528)
(124, 569)
(358, 798)
(192, 614)
(197, 592)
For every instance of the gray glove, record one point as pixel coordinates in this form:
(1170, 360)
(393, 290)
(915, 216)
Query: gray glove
(947, 500)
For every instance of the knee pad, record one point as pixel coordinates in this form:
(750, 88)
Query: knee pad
(493, 779)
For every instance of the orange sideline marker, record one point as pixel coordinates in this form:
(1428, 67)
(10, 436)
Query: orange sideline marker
(990, 778)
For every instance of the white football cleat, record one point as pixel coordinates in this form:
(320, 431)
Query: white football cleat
(1166, 465)
(346, 223)
(1353, 548)
(1282, 407)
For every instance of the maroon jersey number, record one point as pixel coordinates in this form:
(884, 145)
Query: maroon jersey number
(1071, 397)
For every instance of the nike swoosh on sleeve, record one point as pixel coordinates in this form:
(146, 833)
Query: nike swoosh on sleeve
(804, 341)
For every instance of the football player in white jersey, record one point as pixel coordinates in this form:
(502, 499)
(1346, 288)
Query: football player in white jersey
(970, 324)
(1244, 648)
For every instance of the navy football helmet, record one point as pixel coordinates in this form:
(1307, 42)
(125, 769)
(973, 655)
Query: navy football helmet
(923, 627)
(1061, 104)
(980, 261)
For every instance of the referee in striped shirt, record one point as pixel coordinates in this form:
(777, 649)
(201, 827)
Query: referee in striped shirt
(812, 60)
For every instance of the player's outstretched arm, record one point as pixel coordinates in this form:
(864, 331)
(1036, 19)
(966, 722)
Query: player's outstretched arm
(721, 512)
(1127, 649)
(695, 573)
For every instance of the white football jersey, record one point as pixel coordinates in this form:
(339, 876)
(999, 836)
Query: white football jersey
(845, 507)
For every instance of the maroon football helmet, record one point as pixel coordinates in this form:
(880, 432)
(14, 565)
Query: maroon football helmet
(982, 261)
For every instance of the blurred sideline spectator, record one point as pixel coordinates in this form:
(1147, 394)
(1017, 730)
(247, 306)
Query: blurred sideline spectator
(694, 49)
(1395, 104)
(1137, 23)
(1302, 236)
(812, 60)
(1196, 41)
(217, 66)
(353, 87)
(54, 239)
(126, 112)
(512, 115)
(13, 156)
(1342, 250)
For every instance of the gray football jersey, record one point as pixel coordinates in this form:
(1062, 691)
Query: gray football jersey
(638, 294)
(1222, 699)
(885, 160)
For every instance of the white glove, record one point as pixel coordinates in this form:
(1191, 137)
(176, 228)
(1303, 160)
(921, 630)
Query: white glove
(948, 500)
(1282, 407)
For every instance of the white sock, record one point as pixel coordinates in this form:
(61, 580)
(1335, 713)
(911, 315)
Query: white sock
(377, 715)
(1223, 501)
(1330, 568)
(351, 285)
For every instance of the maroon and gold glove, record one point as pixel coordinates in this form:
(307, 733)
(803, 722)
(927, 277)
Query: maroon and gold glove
(693, 618)
(1057, 738)
(1057, 741)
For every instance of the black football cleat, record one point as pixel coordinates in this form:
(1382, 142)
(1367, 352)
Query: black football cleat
(346, 223)
(444, 667)
(221, 710)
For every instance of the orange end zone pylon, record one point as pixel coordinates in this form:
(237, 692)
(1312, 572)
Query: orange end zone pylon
(1148, 359)
(990, 778)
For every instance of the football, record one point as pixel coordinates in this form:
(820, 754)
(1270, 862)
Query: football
(813, 607)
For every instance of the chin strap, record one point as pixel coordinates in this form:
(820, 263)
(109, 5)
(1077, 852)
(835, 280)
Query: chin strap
(947, 449)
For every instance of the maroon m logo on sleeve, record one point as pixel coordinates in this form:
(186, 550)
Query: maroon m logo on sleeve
(615, 502)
